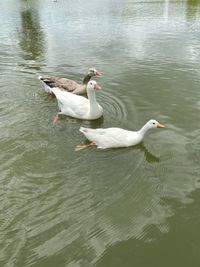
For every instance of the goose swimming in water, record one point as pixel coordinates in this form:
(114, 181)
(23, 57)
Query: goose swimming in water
(77, 106)
(116, 137)
(50, 82)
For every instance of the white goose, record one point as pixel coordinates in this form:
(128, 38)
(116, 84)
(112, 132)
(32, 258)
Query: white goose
(116, 137)
(77, 106)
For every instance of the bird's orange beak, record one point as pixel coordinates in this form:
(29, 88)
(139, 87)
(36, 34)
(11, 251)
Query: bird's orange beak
(159, 125)
(98, 73)
(97, 87)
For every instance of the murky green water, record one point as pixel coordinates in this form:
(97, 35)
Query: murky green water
(118, 207)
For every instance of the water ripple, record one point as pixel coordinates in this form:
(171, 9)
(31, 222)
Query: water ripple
(114, 108)
(59, 207)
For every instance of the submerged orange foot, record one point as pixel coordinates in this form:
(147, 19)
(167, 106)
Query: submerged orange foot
(82, 146)
(55, 119)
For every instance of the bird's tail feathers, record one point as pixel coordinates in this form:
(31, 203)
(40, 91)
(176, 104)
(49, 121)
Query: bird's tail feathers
(83, 130)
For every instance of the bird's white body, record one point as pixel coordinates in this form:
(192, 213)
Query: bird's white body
(117, 137)
(78, 106)
(112, 137)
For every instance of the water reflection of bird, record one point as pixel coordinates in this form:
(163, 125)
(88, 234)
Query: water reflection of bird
(31, 36)
(67, 84)
(148, 155)
(116, 137)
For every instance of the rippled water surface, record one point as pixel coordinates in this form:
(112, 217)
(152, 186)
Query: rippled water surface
(136, 206)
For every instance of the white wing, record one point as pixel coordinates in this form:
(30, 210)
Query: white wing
(110, 137)
(71, 104)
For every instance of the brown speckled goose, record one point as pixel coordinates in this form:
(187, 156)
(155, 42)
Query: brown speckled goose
(67, 84)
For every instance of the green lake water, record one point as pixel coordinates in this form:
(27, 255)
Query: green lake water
(130, 207)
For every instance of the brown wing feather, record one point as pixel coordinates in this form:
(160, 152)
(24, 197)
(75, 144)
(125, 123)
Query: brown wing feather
(63, 83)
(49, 79)
(67, 84)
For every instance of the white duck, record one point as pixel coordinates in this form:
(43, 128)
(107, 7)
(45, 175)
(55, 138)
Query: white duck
(116, 137)
(50, 82)
(77, 106)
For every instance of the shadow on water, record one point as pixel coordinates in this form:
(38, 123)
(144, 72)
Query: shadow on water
(31, 36)
(85, 123)
(148, 155)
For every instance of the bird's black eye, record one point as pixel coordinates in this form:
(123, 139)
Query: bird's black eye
(154, 123)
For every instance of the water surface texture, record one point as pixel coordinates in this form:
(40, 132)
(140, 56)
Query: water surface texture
(136, 206)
